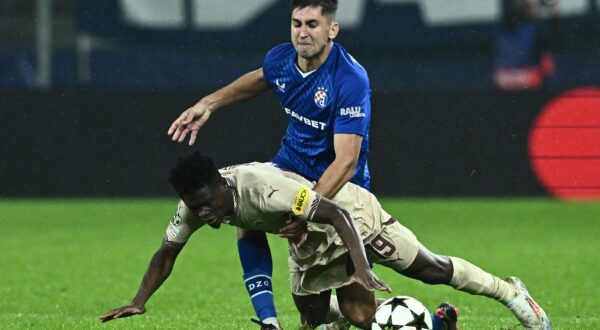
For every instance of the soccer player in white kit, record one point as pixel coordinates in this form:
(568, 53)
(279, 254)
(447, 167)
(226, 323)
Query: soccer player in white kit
(326, 96)
(261, 196)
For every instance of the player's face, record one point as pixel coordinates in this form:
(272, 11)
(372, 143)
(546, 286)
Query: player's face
(311, 31)
(210, 204)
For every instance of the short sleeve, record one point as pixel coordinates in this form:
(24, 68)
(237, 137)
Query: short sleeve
(275, 193)
(305, 203)
(272, 59)
(353, 105)
(183, 224)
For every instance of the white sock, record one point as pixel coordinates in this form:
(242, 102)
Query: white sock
(474, 280)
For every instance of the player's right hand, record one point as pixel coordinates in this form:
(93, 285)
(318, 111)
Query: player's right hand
(294, 230)
(121, 312)
(368, 280)
(189, 121)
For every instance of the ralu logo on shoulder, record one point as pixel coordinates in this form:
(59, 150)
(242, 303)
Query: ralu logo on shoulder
(300, 201)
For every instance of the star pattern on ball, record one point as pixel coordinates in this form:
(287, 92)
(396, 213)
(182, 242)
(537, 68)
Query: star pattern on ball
(418, 321)
(394, 302)
(398, 301)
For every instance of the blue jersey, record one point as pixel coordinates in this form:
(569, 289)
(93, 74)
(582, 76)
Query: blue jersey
(334, 99)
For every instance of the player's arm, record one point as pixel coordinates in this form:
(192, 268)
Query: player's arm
(341, 170)
(179, 230)
(191, 120)
(329, 213)
(158, 271)
(347, 149)
(349, 128)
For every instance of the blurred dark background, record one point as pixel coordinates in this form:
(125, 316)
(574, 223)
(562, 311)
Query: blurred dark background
(89, 88)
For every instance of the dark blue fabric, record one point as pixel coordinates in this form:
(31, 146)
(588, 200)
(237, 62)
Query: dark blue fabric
(334, 99)
(517, 48)
(255, 257)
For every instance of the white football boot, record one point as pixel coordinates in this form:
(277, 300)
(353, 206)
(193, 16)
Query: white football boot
(531, 315)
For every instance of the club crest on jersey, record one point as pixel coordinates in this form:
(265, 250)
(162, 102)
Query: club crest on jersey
(321, 97)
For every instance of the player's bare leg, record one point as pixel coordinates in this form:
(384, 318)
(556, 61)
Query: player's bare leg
(313, 308)
(463, 275)
(357, 304)
(430, 268)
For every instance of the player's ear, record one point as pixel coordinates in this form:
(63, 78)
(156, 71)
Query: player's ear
(333, 30)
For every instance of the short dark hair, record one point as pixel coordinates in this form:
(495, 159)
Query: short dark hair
(193, 172)
(328, 7)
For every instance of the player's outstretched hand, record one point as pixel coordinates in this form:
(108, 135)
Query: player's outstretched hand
(368, 280)
(121, 312)
(190, 122)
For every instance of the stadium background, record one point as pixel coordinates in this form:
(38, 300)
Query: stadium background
(88, 89)
(88, 97)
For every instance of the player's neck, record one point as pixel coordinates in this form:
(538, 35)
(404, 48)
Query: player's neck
(311, 64)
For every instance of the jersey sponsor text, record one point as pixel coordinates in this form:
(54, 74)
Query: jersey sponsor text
(352, 112)
(313, 123)
(301, 201)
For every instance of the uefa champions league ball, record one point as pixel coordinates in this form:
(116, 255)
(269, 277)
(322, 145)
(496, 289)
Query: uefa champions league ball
(402, 312)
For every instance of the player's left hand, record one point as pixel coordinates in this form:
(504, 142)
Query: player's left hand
(368, 280)
(124, 311)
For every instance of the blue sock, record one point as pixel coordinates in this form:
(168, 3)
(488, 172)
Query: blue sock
(437, 322)
(255, 257)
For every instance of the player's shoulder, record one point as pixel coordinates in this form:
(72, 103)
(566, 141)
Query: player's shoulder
(280, 52)
(348, 65)
(239, 169)
(254, 173)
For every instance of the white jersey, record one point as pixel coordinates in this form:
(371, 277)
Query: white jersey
(264, 198)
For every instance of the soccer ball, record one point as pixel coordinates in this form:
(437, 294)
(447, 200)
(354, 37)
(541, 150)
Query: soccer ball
(402, 312)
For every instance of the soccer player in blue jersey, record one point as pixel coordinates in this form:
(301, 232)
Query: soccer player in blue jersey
(325, 94)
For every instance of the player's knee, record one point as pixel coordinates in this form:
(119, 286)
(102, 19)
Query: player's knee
(430, 268)
(439, 271)
(359, 315)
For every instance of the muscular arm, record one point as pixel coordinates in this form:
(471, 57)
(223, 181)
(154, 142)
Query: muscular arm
(191, 120)
(158, 271)
(247, 86)
(329, 213)
(347, 150)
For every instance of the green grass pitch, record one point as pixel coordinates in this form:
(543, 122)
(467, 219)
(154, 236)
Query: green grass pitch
(65, 262)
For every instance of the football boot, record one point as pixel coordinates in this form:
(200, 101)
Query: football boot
(526, 309)
(264, 326)
(445, 317)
